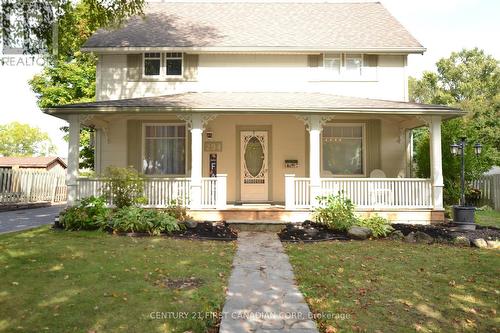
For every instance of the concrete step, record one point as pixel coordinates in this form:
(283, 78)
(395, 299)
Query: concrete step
(257, 225)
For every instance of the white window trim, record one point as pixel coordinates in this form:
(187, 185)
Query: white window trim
(143, 152)
(144, 75)
(343, 76)
(163, 67)
(339, 57)
(327, 174)
(361, 72)
(182, 65)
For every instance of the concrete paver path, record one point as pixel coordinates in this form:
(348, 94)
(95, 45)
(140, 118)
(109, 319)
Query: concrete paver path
(262, 295)
(23, 219)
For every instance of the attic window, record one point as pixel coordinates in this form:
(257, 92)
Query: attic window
(173, 63)
(152, 64)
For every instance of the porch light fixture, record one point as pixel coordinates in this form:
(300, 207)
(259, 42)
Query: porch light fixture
(463, 215)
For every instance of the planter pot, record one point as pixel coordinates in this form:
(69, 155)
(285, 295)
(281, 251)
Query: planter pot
(463, 217)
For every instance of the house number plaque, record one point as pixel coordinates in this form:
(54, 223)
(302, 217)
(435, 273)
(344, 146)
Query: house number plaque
(213, 146)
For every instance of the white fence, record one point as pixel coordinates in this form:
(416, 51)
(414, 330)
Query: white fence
(21, 186)
(364, 192)
(490, 190)
(162, 191)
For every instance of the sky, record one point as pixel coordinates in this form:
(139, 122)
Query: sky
(442, 26)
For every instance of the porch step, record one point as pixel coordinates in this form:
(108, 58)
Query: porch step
(257, 225)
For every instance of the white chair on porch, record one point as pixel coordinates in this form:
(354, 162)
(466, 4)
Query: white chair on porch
(380, 193)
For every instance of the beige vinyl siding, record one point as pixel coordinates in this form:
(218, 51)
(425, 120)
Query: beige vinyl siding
(372, 145)
(315, 60)
(134, 67)
(191, 67)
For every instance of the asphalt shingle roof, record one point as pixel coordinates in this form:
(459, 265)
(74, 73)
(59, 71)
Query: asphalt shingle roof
(308, 26)
(229, 101)
(30, 161)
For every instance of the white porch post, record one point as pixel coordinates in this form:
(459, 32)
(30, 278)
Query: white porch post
(73, 158)
(436, 162)
(196, 160)
(289, 191)
(315, 127)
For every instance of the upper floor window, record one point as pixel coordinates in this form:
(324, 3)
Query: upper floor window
(333, 63)
(171, 67)
(173, 64)
(353, 64)
(152, 64)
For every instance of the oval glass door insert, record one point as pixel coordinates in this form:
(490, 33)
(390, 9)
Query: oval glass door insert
(254, 156)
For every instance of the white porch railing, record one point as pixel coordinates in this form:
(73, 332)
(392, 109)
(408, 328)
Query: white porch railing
(161, 191)
(363, 192)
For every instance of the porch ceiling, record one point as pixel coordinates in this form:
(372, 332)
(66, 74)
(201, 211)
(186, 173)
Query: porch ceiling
(254, 102)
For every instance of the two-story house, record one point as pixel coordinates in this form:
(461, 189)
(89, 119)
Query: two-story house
(252, 110)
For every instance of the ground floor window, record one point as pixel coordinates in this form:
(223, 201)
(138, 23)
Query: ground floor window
(342, 147)
(164, 149)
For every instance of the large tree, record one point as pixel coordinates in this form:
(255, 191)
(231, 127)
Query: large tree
(18, 139)
(469, 80)
(69, 75)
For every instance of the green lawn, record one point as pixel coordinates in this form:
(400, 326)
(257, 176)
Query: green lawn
(489, 218)
(56, 281)
(389, 286)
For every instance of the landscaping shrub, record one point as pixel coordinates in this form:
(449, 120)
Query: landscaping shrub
(126, 186)
(136, 219)
(379, 226)
(88, 215)
(177, 210)
(336, 212)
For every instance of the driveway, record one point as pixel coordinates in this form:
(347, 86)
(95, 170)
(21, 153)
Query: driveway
(28, 218)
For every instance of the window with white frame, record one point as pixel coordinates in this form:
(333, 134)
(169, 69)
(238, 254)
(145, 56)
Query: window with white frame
(164, 149)
(342, 149)
(152, 64)
(173, 64)
(332, 63)
(353, 64)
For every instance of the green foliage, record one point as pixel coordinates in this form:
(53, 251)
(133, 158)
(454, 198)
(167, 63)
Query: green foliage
(469, 80)
(336, 212)
(90, 214)
(136, 219)
(126, 186)
(177, 210)
(86, 147)
(18, 139)
(379, 226)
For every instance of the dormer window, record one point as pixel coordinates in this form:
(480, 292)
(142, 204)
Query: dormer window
(173, 64)
(152, 64)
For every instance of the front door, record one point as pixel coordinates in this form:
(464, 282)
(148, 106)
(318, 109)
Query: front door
(254, 162)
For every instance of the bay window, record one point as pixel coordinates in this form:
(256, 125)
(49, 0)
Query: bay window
(343, 149)
(164, 149)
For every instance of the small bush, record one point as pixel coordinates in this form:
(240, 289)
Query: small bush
(88, 215)
(177, 210)
(126, 186)
(379, 226)
(136, 219)
(336, 212)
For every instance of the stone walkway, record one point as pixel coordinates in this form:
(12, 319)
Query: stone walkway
(262, 295)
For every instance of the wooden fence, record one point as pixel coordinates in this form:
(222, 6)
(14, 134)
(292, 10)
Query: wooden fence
(490, 190)
(21, 186)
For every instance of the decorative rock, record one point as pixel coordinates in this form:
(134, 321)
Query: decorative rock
(461, 241)
(480, 243)
(359, 232)
(397, 235)
(410, 238)
(493, 244)
(191, 224)
(422, 237)
(311, 232)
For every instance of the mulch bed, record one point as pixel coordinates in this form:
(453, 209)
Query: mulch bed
(309, 232)
(448, 231)
(208, 230)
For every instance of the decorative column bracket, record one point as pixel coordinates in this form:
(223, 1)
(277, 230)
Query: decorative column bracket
(189, 117)
(309, 120)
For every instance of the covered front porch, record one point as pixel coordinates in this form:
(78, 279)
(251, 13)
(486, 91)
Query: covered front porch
(237, 161)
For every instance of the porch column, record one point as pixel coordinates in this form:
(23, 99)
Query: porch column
(73, 158)
(436, 162)
(315, 127)
(196, 160)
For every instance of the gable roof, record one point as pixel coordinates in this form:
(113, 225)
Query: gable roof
(30, 161)
(254, 102)
(262, 26)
